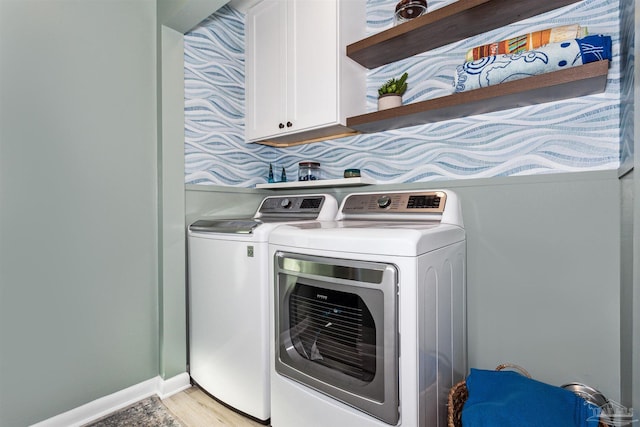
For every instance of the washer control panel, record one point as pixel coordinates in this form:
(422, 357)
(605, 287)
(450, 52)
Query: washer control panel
(310, 206)
(396, 203)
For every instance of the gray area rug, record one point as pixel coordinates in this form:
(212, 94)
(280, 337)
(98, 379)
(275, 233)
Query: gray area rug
(149, 412)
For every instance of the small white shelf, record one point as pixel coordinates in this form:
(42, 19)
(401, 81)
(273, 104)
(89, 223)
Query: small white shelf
(341, 182)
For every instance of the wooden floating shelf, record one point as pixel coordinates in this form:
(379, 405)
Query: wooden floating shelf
(573, 82)
(457, 21)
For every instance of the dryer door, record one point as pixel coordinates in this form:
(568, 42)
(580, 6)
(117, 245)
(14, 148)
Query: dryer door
(337, 329)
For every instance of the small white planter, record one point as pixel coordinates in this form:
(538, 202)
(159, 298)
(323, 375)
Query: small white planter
(389, 100)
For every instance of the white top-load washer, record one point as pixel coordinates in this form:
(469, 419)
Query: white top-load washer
(369, 313)
(228, 299)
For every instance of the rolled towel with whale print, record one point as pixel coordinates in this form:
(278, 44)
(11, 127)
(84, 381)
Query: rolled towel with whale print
(493, 70)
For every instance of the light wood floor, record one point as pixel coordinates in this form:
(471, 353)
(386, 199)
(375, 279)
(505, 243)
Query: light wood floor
(195, 409)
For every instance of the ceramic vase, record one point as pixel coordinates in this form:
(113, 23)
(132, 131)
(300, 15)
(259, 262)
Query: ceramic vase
(389, 100)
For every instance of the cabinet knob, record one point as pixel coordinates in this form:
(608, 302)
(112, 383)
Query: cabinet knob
(281, 126)
(289, 124)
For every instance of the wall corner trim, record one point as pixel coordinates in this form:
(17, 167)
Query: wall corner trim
(103, 406)
(173, 385)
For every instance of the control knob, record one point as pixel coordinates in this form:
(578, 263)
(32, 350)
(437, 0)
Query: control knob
(285, 203)
(384, 202)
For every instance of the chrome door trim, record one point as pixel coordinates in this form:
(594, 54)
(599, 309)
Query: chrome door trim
(377, 285)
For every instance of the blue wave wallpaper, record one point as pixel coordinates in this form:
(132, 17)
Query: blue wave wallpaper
(215, 151)
(581, 134)
(627, 61)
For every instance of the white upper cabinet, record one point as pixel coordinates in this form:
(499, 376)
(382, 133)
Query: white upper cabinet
(300, 85)
(265, 69)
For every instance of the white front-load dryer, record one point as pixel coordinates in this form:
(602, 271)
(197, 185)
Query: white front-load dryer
(228, 300)
(369, 316)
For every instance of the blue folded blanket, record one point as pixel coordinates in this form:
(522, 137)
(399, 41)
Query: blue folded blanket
(494, 70)
(508, 399)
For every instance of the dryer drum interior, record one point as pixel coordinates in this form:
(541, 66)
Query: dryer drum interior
(338, 331)
(334, 329)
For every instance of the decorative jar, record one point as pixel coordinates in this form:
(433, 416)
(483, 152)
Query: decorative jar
(308, 171)
(407, 10)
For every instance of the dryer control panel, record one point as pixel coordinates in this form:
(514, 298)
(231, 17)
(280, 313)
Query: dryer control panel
(395, 203)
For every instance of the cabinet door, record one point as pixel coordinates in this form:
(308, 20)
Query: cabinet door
(312, 67)
(265, 65)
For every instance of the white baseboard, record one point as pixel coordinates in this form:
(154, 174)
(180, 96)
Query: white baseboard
(121, 399)
(173, 385)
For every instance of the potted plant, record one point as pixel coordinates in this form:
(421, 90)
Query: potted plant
(390, 93)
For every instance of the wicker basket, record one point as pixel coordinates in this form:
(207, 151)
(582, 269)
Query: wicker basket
(458, 395)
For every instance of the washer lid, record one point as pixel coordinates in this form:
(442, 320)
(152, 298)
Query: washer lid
(230, 226)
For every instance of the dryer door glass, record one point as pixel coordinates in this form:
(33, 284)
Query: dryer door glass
(334, 329)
